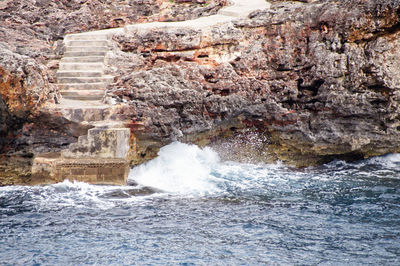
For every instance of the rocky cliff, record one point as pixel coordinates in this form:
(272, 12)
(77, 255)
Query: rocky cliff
(31, 34)
(302, 82)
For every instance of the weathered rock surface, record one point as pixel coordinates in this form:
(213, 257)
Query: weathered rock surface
(304, 82)
(316, 81)
(31, 45)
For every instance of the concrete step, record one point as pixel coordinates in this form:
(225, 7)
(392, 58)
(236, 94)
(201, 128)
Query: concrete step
(86, 37)
(237, 12)
(82, 141)
(83, 59)
(81, 66)
(109, 124)
(87, 115)
(94, 35)
(100, 143)
(230, 13)
(68, 80)
(90, 112)
(87, 53)
(242, 8)
(83, 94)
(82, 86)
(84, 43)
(76, 104)
(84, 111)
(86, 49)
(60, 74)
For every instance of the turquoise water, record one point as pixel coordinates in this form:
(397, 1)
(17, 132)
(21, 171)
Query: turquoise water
(190, 208)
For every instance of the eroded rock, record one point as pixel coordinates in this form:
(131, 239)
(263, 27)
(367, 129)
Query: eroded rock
(304, 82)
(30, 48)
(317, 81)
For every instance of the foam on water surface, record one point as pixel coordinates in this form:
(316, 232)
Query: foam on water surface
(179, 168)
(189, 170)
(202, 210)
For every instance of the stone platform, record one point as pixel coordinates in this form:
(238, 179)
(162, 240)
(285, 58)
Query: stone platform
(47, 170)
(97, 158)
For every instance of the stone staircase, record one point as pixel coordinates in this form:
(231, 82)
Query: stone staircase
(81, 70)
(100, 157)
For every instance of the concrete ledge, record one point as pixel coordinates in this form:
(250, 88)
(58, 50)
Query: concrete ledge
(107, 143)
(93, 171)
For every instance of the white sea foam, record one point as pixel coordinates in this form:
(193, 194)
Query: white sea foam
(388, 161)
(179, 168)
(189, 170)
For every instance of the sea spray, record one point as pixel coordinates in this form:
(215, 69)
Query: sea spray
(179, 168)
(189, 170)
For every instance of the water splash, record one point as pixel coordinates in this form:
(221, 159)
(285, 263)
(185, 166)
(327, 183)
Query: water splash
(179, 168)
(184, 169)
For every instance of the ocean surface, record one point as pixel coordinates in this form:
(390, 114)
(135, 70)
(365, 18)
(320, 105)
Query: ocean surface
(188, 207)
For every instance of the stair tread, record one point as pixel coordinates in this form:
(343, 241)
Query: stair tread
(79, 104)
(82, 92)
(103, 77)
(87, 37)
(94, 56)
(94, 46)
(86, 96)
(72, 74)
(87, 53)
(82, 63)
(84, 80)
(70, 59)
(86, 48)
(93, 35)
(84, 88)
(87, 42)
(80, 71)
(76, 80)
(109, 124)
(80, 84)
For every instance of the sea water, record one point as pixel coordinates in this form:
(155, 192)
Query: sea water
(191, 208)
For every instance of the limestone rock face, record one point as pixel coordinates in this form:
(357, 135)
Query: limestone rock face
(315, 81)
(304, 82)
(23, 86)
